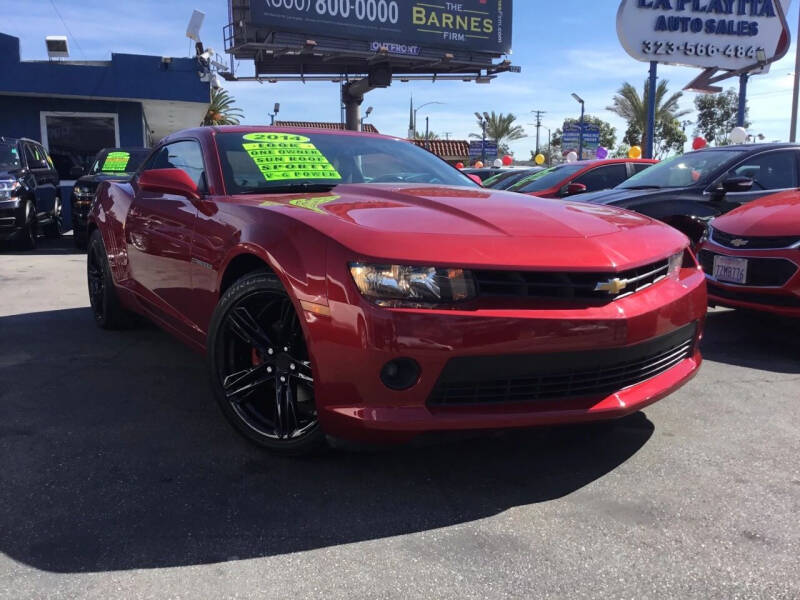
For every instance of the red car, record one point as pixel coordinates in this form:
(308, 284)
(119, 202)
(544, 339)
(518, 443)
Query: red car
(353, 285)
(751, 256)
(573, 178)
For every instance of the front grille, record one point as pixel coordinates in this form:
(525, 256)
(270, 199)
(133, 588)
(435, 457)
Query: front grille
(562, 375)
(761, 272)
(787, 300)
(753, 242)
(565, 284)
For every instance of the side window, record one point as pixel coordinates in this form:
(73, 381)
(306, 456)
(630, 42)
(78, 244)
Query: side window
(186, 156)
(603, 178)
(34, 157)
(771, 170)
(639, 167)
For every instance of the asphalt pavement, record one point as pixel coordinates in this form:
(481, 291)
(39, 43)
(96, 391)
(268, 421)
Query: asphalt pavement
(120, 479)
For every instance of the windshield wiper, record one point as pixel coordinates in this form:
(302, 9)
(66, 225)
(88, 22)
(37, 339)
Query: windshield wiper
(292, 188)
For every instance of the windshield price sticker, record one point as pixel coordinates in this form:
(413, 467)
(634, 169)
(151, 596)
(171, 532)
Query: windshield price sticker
(116, 162)
(284, 157)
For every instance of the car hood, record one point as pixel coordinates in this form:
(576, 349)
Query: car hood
(619, 195)
(97, 178)
(476, 226)
(777, 215)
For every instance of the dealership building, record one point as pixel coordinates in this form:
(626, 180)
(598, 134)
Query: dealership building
(75, 108)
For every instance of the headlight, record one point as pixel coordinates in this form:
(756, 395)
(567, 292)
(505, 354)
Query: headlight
(407, 286)
(675, 264)
(8, 187)
(706, 234)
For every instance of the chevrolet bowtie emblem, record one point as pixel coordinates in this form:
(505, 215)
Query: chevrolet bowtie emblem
(612, 286)
(739, 242)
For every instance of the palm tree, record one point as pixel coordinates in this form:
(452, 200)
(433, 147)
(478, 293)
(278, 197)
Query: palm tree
(633, 108)
(221, 110)
(501, 128)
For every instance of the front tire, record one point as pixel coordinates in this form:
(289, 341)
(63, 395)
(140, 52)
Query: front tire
(106, 308)
(260, 367)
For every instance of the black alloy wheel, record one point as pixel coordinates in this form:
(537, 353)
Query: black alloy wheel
(260, 366)
(56, 225)
(28, 236)
(106, 308)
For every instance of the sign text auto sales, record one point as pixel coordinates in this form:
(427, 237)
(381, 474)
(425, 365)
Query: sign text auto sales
(687, 15)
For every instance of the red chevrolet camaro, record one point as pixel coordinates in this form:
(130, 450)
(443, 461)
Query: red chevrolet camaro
(752, 256)
(356, 286)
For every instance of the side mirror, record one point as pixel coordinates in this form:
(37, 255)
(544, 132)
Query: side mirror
(76, 172)
(573, 188)
(475, 178)
(169, 181)
(737, 183)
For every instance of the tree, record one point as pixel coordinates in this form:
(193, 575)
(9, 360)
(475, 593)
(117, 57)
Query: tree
(501, 129)
(632, 107)
(608, 134)
(716, 116)
(670, 138)
(420, 135)
(221, 110)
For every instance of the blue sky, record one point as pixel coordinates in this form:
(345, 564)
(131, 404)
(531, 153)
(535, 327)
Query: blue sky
(562, 47)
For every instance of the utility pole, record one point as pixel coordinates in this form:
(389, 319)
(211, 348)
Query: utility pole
(538, 114)
(793, 129)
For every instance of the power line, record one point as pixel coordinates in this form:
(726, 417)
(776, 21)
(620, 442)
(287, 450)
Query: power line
(64, 23)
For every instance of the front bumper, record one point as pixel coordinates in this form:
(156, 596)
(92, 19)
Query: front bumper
(80, 208)
(351, 345)
(781, 299)
(12, 218)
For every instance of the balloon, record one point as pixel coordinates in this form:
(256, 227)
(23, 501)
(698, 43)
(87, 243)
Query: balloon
(539, 159)
(459, 165)
(635, 152)
(572, 156)
(479, 164)
(602, 152)
(507, 160)
(699, 143)
(738, 135)
(497, 163)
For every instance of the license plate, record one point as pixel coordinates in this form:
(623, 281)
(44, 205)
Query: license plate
(728, 268)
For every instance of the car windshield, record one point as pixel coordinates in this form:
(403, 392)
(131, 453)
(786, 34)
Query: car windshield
(508, 178)
(547, 178)
(681, 171)
(118, 161)
(274, 161)
(9, 157)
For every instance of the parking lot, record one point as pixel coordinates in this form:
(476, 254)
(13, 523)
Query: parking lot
(119, 478)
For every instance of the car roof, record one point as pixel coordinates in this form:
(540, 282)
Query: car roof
(204, 131)
(751, 147)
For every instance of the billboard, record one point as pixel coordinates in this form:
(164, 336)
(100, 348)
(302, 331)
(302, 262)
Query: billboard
(403, 27)
(479, 147)
(571, 136)
(718, 34)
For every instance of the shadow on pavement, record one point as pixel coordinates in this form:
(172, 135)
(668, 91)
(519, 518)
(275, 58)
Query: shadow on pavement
(753, 340)
(115, 457)
(44, 247)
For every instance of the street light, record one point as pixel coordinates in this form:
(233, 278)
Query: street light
(482, 119)
(580, 138)
(275, 112)
(415, 113)
(366, 114)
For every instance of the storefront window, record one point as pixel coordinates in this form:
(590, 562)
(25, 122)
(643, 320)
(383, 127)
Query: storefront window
(74, 140)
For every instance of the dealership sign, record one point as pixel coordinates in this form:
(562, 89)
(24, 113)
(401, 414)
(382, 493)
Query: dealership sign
(400, 26)
(715, 34)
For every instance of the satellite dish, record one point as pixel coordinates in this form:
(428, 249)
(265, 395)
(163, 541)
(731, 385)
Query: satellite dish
(195, 24)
